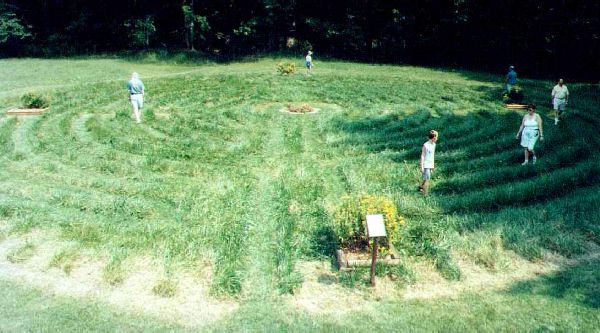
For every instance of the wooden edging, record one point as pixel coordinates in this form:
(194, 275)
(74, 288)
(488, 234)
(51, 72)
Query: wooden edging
(345, 263)
(516, 106)
(25, 112)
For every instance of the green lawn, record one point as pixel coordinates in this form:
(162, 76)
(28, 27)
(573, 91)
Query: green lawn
(215, 174)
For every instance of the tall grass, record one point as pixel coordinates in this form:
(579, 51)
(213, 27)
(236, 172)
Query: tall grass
(216, 173)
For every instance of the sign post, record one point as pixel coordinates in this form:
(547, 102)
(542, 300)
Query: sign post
(375, 229)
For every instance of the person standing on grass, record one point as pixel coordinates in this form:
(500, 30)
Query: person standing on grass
(511, 79)
(560, 99)
(135, 87)
(529, 131)
(427, 160)
(308, 62)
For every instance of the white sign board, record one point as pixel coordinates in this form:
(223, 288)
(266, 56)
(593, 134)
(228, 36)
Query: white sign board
(375, 226)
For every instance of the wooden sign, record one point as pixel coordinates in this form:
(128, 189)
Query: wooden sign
(375, 226)
(375, 229)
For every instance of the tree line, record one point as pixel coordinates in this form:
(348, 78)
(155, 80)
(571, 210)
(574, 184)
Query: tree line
(547, 38)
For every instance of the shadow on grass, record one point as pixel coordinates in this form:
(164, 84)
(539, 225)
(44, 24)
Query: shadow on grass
(478, 159)
(579, 284)
(479, 184)
(324, 241)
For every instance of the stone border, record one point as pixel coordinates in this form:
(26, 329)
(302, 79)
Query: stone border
(25, 112)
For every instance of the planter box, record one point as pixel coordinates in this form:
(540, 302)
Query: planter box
(25, 112)
(348, 260)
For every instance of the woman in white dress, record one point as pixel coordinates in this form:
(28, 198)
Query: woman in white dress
(530, 130)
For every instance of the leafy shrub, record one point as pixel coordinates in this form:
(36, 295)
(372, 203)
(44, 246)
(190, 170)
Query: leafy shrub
(33, 100)
(350, 221)
(141, 30)
(286, 68)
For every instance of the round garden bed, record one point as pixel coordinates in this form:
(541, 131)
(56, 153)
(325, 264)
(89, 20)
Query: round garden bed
(301, 108)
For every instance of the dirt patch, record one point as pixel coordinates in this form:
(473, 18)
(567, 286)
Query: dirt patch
(190, 306)
(474, 278)
(283, 107)
(321, 293)
(3, 226)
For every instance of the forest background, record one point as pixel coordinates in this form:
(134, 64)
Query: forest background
(542, 39)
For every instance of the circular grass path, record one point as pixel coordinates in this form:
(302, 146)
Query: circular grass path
(210, 178)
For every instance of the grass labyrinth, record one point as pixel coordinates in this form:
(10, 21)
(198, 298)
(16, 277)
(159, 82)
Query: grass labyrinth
(216, 178)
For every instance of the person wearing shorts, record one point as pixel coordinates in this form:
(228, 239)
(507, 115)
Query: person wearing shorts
(308, 62)
(560, 99)
(530, 130)
(511, 79)
(427, 160)
(135, 87)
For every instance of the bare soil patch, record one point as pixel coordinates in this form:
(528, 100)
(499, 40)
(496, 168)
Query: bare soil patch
(322, 294)
(190, 306)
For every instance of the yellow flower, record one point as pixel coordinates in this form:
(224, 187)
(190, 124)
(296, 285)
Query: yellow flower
(350, 221)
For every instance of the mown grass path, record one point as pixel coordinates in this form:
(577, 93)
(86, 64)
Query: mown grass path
(217, 182)
(285, 171)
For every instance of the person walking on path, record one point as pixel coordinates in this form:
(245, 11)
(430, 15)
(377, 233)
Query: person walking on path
(511, 79)
(308, 62)
(135, 87)
(530, 130)
(560, 99)
(427, 160)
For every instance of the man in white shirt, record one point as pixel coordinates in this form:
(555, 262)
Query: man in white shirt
(560, 99)
(135, 87)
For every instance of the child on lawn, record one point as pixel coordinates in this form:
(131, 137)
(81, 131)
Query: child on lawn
(427, 160)
(308, 62)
